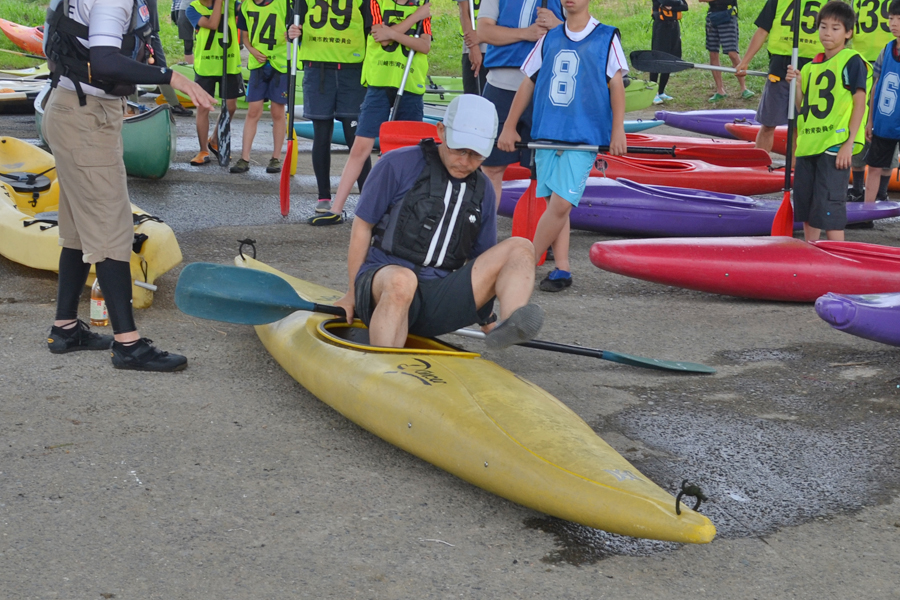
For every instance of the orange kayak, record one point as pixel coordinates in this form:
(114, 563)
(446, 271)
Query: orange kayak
(29, 39)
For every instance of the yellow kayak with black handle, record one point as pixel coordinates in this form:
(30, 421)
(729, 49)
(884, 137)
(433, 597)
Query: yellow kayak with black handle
(474, 419)
(29, 198)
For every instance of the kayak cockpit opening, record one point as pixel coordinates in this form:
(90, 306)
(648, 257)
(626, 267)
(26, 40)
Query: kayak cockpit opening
(356, 336)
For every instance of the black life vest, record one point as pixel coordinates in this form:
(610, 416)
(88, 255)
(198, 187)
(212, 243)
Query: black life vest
(436, 223)
(67, 57)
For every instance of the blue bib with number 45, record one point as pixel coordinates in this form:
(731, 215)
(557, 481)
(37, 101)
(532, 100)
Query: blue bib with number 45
(571, 95)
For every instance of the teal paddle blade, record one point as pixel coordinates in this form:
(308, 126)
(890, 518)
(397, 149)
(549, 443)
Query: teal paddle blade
(236, 295)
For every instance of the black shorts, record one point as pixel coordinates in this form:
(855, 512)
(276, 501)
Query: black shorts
(330, 93)
(440, 305)
(820, 192)
(502, 101)
(234, 85)
(881, 152)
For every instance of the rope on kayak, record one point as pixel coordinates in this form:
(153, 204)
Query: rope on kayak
(140, 219)
(247, 242)
(689, 490)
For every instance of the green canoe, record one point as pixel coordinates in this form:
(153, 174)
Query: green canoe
(148, 138)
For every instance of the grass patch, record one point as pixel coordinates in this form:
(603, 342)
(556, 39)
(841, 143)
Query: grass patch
(690, 88)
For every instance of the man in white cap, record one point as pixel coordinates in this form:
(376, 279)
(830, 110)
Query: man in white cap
(424, 257)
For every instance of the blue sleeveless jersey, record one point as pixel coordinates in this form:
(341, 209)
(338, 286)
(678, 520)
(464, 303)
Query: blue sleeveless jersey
(571, 95)
(886, 122)
(517, 14)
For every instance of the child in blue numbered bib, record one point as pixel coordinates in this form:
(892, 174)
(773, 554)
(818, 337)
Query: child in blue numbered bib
(574, 78)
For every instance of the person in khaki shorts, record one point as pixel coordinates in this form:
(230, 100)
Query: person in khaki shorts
(83, 126)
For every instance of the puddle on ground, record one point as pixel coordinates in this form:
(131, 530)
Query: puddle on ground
(771, 447)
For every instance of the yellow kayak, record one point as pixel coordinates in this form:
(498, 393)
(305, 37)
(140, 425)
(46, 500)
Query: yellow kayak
(28, 232)
(474, 419)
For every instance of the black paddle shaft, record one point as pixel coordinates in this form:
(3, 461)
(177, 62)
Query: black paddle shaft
(654, 61)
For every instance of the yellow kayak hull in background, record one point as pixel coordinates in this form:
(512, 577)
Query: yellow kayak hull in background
(476, 420)
(37, 245)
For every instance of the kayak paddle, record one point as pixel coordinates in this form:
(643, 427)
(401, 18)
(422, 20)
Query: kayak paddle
(409, 59)
(223, 126)
(289, 165)
(783, 224)
(34, 56)
(475, 28)
(250, 297)
(654, 61)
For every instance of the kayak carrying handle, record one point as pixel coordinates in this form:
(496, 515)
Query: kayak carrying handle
(146, 286)
(689, 490)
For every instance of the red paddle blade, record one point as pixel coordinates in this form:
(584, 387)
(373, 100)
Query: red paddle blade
(397, 134)
(285, 190)
(783, 224)
(528, 212)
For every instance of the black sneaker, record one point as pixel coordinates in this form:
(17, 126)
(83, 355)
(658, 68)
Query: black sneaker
(328, 218)
(854, 196)
(75, 338)
(143, 356)
(554, 283)
(180, 111)
(241, 166)
(521, 326)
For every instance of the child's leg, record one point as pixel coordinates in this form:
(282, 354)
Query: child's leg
(202, 127)
(835, 235)
(361, 150)
(254, 112)
(321, 155)
(279, 127)
(349, 136)
(873, 180)
(717, 75)
(810, 233)
(550, 228)
(561, 248)
(735, 61)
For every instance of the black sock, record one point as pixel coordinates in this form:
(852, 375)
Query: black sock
(859, 182)
(115, 281)
(73, 273)
(883, 187)
(321, 155)
(350, 135)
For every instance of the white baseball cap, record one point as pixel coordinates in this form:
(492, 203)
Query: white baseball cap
(471, 122)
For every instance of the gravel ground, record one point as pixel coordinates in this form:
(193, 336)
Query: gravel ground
(229, 480)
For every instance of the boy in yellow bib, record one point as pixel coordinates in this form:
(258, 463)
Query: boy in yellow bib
(206, 17)
(263, 25)
(831, 101)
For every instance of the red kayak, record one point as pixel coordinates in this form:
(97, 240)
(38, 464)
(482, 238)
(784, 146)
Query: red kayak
(693, 174)
(765, 268)
(746, 131)
(720, 152)
(29, 39)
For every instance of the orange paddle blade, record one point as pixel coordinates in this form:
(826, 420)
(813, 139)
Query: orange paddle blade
(783, 224)
(285, 191)
(528, 212)
(397, 134)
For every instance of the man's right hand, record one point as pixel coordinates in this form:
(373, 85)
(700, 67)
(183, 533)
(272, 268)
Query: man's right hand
(534, 32)
(196, 93)
(348, 303)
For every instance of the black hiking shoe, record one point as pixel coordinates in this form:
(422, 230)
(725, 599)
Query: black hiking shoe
(328, 218)
(274, 166)
(555, 281)
(241, 166)
(181, 111)
(75, 338)
(521, 326)
(143, 356)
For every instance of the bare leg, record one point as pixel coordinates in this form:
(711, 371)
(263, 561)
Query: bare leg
(873, 180)
(835, 235)
(549, 228)
(810, 233)
(393, 290)
(561, 248)
(202, 127)
(361, 150)
(505, 271)
(252, 121)
(765, 138)
(495, 174)
(735, 61)
(717, 76)
(279, 127)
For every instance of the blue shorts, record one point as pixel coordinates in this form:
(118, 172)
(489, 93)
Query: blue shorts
(376, 109)
(268, 83)
(563, 172)
(502, 100)
(330, 93)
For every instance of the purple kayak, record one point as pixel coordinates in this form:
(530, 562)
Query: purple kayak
(708, 122)
(623, 207)
(873, 316)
